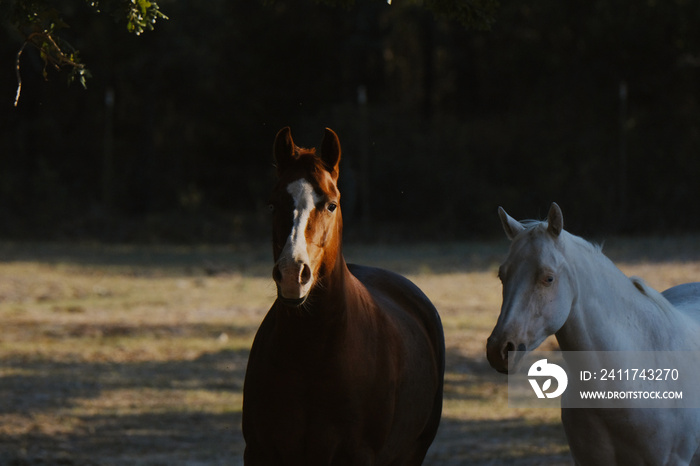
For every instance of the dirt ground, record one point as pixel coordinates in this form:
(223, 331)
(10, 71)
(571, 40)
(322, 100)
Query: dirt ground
(136, 355)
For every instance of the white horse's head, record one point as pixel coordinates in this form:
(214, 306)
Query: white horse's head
(537, 288)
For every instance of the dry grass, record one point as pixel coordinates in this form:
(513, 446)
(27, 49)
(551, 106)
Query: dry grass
(124, 355)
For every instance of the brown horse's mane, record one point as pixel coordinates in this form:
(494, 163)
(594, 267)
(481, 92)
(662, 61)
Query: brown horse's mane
(306, 160)
(300, 152)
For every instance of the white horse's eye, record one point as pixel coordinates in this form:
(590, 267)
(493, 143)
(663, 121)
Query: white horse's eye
(548, 280)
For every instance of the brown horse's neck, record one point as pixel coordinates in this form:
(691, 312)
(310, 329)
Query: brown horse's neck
(329, 296)
(330, 291)
(318, 326)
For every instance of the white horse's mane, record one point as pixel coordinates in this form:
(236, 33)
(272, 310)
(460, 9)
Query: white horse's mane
(652, 294)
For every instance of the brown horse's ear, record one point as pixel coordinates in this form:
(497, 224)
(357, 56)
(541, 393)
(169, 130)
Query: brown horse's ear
(283, 149)
(330, 152)
(555, 220)
(511, 226)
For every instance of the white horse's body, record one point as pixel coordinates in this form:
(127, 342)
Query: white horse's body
(557, 283)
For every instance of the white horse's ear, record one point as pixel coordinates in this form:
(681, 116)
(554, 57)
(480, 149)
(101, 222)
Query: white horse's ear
(555, 220)
(511, 226)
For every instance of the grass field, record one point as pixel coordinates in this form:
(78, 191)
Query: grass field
(136, 355)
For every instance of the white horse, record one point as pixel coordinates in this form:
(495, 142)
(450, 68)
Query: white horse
(557, 283)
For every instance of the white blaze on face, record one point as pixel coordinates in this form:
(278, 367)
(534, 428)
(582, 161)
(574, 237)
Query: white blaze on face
(305, 199)
(295, 251)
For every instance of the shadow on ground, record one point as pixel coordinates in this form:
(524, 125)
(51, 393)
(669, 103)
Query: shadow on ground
(145, 414)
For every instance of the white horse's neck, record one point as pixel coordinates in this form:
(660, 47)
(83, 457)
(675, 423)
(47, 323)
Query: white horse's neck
(612, 312)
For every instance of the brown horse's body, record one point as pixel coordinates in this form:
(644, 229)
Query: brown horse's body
(352, 376)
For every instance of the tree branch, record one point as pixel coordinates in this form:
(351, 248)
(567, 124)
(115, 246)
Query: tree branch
(51, 53)
(19, 75)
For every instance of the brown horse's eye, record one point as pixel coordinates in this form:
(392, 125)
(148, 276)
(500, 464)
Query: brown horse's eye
(271, 207)
(331, 207)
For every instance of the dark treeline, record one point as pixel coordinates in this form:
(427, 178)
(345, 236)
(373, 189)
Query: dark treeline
(593, 104)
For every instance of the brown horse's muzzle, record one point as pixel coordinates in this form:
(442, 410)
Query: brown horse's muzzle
(293, 281)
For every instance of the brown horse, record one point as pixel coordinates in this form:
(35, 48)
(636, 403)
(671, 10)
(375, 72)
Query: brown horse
(347, 367)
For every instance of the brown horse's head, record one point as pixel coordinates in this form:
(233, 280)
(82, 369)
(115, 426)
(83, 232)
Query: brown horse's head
(306, 225)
